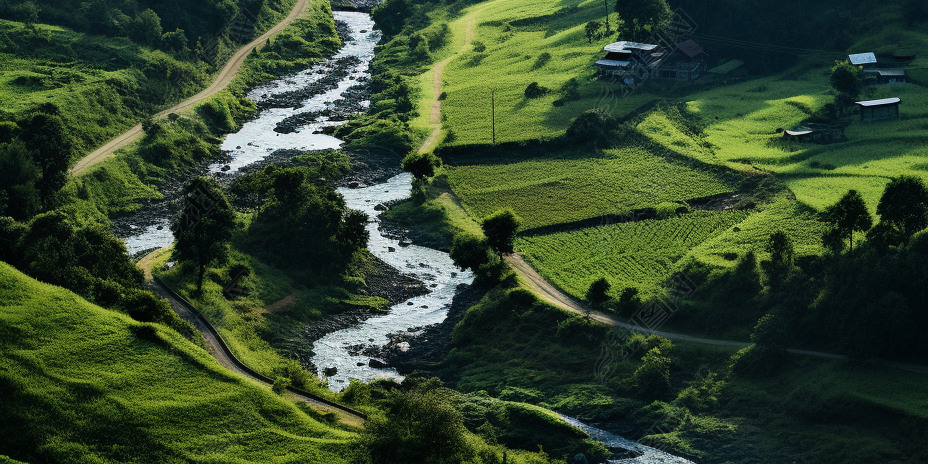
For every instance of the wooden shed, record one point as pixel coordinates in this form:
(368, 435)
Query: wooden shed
(886, 109)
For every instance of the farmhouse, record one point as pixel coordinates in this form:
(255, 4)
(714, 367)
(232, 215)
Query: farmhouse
(629, 62)
(875, 70)
(821, 134)
(886, 109)
(687, 62)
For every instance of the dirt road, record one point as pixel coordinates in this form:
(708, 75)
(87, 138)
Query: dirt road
(438, 72)
(218, 349)
(221, 81)
(552, 295)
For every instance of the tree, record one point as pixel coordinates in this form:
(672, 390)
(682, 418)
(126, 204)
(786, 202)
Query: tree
(643, 13)
(45, 135)
(770, 333)
(420, 424)
(904, 205)
(598, 293)
(175, 41)
(780, 248)
(652, 378)
(470, 252)
(19, 180)
(593, 127)
(848, 81)
(849, 215)
(421, 165)
(391, 15)
(592, 30)
(146, 28)
(204, 227)
(500, 229)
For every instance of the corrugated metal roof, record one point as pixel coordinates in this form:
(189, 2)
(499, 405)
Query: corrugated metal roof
(881, 102)
(892, 72)
(690, 48)
(612, 63)
(625, 46)
(862, 58)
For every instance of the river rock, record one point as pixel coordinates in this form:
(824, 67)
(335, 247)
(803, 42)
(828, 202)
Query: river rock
(376, 364)
(330, 371)
(391, 249)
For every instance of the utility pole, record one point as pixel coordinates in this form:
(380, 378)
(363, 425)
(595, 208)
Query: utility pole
(493, 110)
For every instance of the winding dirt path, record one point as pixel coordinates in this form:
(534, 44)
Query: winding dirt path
(552, 295)
(218, 349)
(220, 82)
(438, 71)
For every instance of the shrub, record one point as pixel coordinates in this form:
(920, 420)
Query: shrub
(598, 293)
(535, 91)
(593, 127)
(479, 46)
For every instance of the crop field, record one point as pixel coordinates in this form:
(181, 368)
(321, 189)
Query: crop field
(84, 384)
(525, 41)
(547, 191)
(640, 255)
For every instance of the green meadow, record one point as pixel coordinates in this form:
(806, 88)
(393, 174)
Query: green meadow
(555, 188)
(522, 42)
(85, 384)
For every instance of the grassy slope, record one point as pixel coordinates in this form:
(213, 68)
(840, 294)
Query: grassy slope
(515, 34)
(120, 184)
(81, 385)
(264, 325)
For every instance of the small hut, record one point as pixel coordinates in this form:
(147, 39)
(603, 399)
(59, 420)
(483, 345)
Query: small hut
(886, 109)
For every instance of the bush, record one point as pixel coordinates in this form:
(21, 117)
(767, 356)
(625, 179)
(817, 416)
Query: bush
(598, 293)
(542, 60)
(594, 127)
(535, 91)
(652, 378)
(479, 46)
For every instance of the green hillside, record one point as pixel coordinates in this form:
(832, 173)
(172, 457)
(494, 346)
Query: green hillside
(85, 384)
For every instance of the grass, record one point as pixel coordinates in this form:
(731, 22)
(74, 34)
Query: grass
(516, 34)
(85, 384)
(640, 255)
(572, 186)
(263, 324)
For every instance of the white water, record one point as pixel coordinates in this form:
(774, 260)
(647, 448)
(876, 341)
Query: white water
(257, 139)
(432, 267)
(647, 455)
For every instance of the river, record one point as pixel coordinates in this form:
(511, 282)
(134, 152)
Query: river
(344, 349)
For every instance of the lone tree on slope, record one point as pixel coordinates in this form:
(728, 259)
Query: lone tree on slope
(847, 216)
(904, 205)
(204, 227)
(500, 229)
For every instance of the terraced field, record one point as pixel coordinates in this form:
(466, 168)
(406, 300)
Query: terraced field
(554, 190)
(641, 255)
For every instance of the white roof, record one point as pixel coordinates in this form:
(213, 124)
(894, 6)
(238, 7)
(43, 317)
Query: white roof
(885, 101)
(625, 46)
(862, 58)
(613, 63)
(798, 132)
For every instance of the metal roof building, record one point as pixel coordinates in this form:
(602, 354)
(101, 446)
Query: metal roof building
(861, 59)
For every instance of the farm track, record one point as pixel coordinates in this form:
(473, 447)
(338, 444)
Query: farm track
(220, 82)
(218, 349)
(438, 71)
(554, 296)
